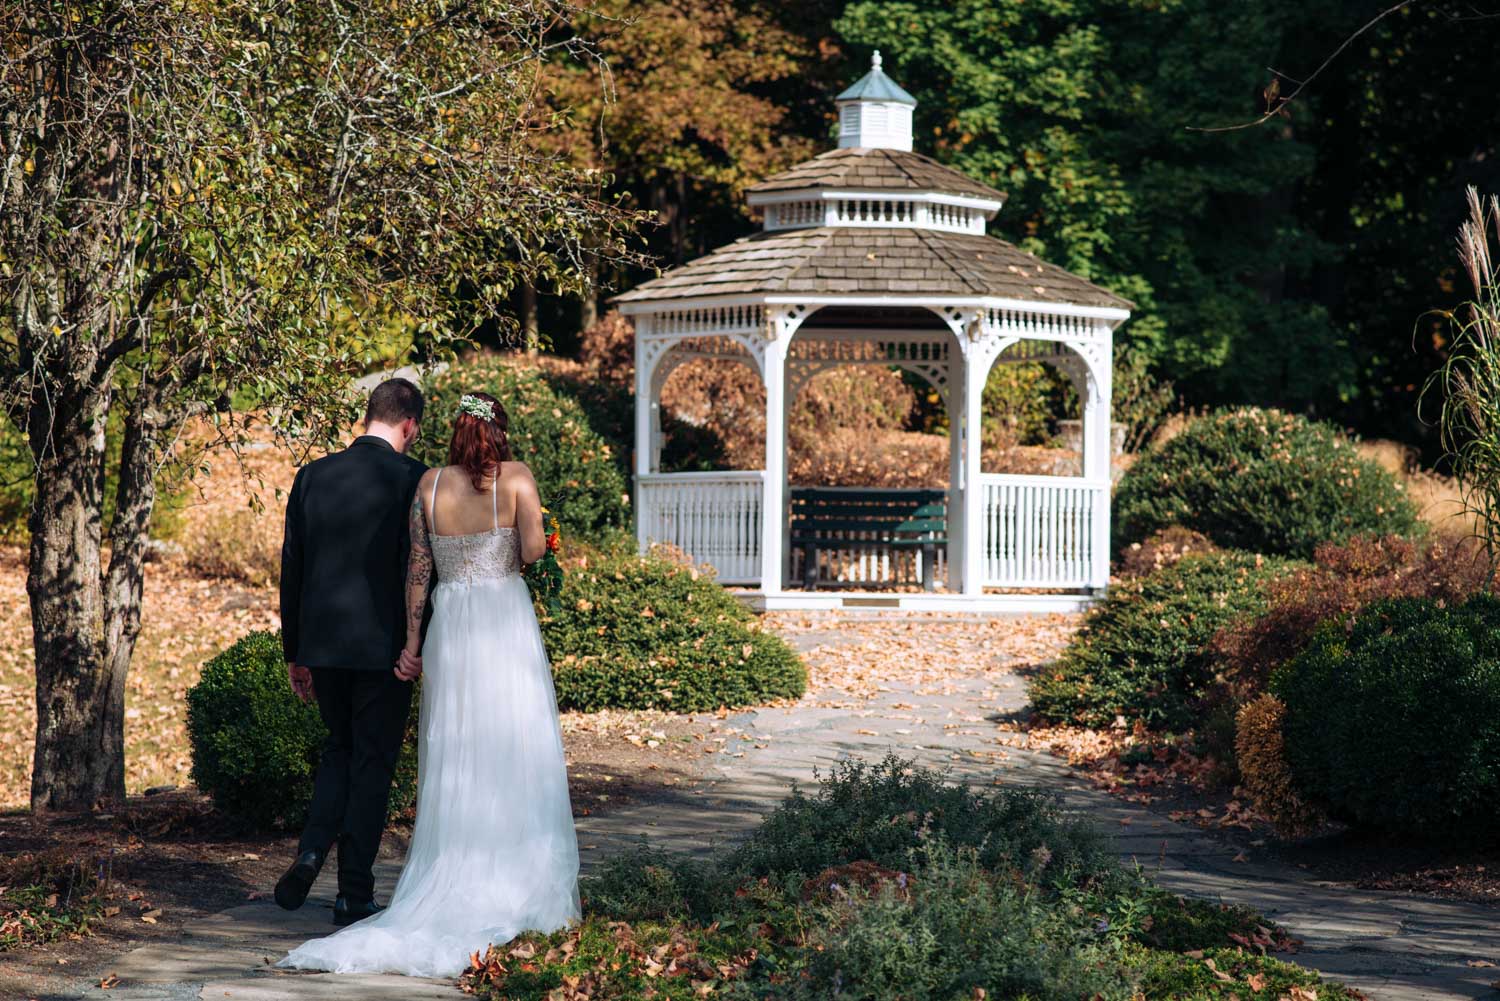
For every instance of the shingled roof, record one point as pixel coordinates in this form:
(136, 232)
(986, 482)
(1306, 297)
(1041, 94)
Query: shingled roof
(863, 169)
(873, 261)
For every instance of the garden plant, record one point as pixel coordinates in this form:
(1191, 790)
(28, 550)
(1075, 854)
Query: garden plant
(885, 881)
(1261, 481)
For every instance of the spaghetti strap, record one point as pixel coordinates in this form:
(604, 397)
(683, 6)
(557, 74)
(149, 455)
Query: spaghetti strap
(494, 501)
(432, 507)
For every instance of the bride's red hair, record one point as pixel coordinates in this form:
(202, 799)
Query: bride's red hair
(480, 445)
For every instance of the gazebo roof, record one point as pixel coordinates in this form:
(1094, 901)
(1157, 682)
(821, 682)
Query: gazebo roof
(876, 86)
(865, 169)
(872, 261)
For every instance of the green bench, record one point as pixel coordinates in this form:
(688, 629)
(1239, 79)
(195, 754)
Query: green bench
(834, 518)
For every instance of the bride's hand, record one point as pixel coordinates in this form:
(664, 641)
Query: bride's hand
(409, 666)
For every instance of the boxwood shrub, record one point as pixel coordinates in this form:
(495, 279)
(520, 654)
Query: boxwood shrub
(1393, 719)
(1141, 653)
(256, 745)
(574, 465)
(1262, 481)
(648, 633)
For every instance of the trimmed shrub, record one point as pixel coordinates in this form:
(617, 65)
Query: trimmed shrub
(549, 430)
(1344, 577)
(1265, 775)
(256, 745)
(649, 633)
(1262, 481)
(1393, 719)
(1141, 654)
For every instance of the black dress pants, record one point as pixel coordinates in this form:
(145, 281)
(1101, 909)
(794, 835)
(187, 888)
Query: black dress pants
(365, 712)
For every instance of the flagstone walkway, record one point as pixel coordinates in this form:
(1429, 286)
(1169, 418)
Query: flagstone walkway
(1393, 946)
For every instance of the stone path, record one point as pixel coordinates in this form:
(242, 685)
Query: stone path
(1393, 946)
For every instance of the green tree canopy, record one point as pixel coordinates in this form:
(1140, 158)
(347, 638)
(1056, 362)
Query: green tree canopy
(206, 201)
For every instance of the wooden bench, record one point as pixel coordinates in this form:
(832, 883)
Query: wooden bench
(846, 518)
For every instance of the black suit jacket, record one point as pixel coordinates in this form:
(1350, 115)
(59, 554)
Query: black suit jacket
(343, 558)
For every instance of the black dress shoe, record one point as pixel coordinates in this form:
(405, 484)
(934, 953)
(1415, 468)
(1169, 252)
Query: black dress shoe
(291, 889)
(346, 912)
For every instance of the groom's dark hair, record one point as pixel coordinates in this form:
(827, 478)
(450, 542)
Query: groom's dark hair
(394, 401)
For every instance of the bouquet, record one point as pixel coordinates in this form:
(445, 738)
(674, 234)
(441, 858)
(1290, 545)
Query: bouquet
(545, 576)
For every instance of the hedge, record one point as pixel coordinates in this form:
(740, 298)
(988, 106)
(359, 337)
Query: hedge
(1141, 653)
(638, 632)
(1393, 718)
(1261, 481)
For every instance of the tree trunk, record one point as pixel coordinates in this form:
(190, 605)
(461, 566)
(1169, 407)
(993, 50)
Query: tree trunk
(79, 759)
(531, 331)
(85, 623)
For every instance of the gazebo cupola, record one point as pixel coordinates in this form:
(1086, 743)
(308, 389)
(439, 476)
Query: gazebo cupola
(872, 254)
(875, 113)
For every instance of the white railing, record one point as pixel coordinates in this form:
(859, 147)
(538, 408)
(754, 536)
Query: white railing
(714, 517)
(794, 215)
(874, 211)
(1044, 531)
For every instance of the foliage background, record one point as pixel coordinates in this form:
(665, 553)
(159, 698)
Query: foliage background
(1096, 117)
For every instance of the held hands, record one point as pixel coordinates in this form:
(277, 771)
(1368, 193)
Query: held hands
(302, 682)
(409, 665)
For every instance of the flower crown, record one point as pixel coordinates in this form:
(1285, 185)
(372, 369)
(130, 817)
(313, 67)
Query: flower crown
(475, 407)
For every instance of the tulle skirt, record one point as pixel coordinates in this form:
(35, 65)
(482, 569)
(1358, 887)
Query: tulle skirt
(493, 853)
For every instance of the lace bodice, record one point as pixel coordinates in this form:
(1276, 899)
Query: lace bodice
(464, 559)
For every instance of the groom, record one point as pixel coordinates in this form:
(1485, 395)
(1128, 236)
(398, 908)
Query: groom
(343, 595)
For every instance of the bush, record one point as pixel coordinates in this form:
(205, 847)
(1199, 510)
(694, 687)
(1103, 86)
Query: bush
(1344, 577)
(1393, 719)
(884, 882)
(256, 745)
(954, 929)
(880, 813)
(574, 466)
(1262, 481)
(1265, 775)
(1141, 654)
(638, 632)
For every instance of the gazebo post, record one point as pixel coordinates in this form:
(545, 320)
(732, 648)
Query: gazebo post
(773, 487)
(1098, 451)
(956, 479)
(976, 371)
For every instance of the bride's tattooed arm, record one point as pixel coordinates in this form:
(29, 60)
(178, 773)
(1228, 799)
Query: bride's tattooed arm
(418, 576)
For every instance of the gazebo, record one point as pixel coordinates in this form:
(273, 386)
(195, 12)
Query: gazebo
(872, 254)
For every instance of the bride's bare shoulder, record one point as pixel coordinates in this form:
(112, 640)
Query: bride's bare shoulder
(518, 471)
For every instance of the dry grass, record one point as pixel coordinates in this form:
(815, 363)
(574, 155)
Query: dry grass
(186, 619)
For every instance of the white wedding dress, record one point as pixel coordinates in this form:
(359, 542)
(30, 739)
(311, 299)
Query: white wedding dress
(494, 852)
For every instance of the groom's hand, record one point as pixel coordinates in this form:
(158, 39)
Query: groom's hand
(302, 682)
(409, 666)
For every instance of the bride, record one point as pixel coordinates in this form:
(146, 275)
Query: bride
(493, 853)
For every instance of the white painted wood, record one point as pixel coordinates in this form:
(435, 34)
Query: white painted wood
(1042, 531)
(773, 371)
(875, 602)
(976, 371)
(716, 518)
(957, 407)
(935, 302)
(880, 210)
